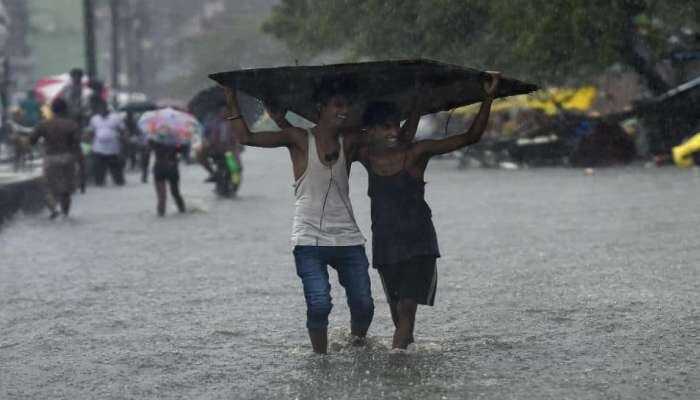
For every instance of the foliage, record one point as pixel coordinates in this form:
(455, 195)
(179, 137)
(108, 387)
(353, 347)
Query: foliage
(547, 40)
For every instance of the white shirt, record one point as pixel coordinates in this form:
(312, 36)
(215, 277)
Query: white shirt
(323, 214)
(106, 129)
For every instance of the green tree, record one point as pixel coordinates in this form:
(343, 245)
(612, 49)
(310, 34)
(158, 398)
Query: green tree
(552, 41)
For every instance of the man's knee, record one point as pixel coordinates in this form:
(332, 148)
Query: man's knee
(363, 303)
(360, 297)
(317, 313)
(407, 305)
(362, 310)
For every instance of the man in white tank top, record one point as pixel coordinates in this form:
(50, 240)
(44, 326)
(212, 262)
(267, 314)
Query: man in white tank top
(324, 232)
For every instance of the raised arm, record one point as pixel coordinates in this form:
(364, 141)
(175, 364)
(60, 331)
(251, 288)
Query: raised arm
(471, 136)
(283, 138)
(278, 115)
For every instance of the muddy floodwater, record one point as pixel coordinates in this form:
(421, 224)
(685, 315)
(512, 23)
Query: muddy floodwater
(553, 284)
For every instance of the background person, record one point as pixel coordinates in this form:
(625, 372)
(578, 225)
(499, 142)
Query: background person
(61, 136)
(108, 133)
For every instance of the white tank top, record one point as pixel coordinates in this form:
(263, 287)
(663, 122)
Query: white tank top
(323, 214)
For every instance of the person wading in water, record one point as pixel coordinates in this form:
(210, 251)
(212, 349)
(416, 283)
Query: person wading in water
(165, 172)
(404, 242)
(61, 136)
(324, 230)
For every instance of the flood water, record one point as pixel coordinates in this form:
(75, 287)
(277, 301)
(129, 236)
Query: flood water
(553, 285)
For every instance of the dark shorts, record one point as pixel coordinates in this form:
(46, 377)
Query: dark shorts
(166, 172)
(415, 278)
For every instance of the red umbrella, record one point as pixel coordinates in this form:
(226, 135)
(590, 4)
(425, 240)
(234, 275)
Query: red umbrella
(51, 87)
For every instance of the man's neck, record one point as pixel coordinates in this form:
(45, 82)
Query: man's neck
(325, 131)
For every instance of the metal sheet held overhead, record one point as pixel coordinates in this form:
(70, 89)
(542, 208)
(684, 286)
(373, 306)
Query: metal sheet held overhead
(444, 87)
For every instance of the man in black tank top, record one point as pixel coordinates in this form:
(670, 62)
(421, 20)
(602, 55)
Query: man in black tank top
(404, 243)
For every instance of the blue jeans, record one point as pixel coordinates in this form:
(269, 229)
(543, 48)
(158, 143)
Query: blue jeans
(351, 263)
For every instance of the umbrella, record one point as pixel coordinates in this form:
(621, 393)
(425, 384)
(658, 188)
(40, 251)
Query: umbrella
(170, 126)
(51, 87)
(209, 100)
(445, 86)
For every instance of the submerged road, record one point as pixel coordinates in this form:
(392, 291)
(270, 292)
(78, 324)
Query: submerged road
(553, 285)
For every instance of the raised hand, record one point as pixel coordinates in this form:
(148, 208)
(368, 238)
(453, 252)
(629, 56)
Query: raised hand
(491, 84)
(230, 96)
(275, 112)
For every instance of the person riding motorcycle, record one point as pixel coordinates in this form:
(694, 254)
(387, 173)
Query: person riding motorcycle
(219, 145)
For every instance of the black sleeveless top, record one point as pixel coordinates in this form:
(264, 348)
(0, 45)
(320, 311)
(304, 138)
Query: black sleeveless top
(402, 225)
